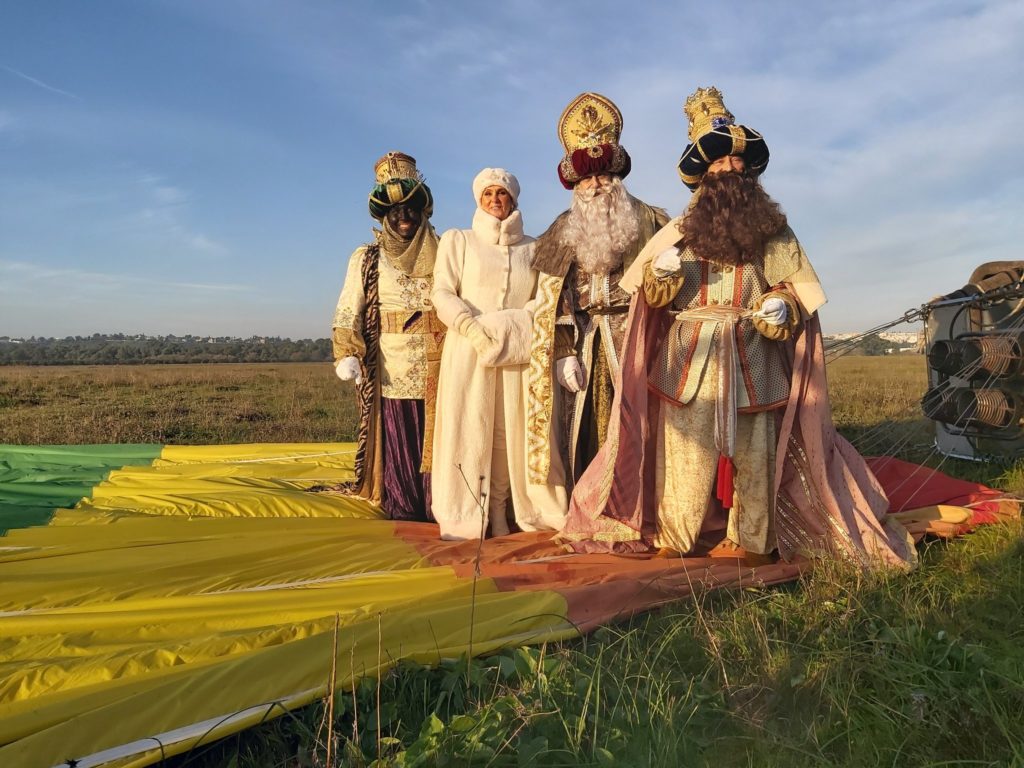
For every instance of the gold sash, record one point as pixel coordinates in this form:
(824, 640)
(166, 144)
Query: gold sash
(411, 321)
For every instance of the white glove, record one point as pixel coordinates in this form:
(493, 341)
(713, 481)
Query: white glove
(486, 347)
(773, 311)
(667, 263)
(569, 373)
(348, 369)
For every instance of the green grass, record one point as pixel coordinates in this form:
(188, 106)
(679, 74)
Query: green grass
(840, 669)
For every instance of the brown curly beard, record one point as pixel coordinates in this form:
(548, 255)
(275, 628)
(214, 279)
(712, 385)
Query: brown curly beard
(731, 219)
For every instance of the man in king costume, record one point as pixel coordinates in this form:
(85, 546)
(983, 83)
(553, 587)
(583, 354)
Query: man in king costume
(721, 433)
(387, 339)
(581, 310)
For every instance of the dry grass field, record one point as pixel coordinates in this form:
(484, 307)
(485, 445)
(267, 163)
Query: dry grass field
(304, 402)
(175, 404)
(869, 390)
(875, 404)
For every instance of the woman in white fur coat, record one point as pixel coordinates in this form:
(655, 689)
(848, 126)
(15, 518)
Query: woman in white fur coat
(483, 291)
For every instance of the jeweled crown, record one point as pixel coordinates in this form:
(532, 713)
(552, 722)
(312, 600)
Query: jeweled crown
(589, 120)
(396, 165)
(706, 112)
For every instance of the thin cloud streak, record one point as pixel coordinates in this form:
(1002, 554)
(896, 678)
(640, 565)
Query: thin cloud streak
(19, 273)
(39, 83)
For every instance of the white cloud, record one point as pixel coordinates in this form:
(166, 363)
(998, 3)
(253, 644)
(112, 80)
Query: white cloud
(162, 193)
(891, 129)
(206, 245)
(165, 216)
(20, 277)
(889, 135)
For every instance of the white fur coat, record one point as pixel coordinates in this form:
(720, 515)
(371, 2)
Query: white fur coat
(484, 272)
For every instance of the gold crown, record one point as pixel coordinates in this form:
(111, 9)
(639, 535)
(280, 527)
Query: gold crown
(396, 165)
(706, 112)
(589, 120)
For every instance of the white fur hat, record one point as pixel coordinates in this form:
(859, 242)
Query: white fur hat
(488, 177)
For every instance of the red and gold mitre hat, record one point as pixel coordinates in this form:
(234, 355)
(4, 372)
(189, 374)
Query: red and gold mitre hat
(714, 134)
(398, 182)
(589, 130)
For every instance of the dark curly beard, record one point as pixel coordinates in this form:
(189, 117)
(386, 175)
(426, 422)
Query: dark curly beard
(731, 219)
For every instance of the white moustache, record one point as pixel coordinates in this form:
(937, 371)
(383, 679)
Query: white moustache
(601, 226)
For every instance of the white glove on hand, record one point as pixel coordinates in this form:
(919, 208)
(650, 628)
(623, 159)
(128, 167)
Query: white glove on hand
(485, 346)
(569, 373)
(348, 369)
(773, 311)
(667, 263)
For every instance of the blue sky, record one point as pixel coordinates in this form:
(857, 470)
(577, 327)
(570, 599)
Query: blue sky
(202, 166)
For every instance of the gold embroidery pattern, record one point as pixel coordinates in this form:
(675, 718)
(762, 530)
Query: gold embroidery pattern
(348, 313)
(739, 140)
(540, 405)
(415, 291)
(410, 385)
(841, 542)
(345, 342)
(435, 345)
(406, 314)
(793, 538)
(589, 119)
(783, 258)
(345, 318)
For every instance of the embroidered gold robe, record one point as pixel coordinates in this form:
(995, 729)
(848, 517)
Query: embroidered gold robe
(408, 326)
(685, 375)
(406, 355)
(583, 315)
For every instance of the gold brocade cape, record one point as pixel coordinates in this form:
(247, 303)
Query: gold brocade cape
(552, 259)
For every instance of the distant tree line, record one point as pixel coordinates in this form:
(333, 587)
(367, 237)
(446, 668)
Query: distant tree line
(122, 349)
(125, 349)
(872, 345)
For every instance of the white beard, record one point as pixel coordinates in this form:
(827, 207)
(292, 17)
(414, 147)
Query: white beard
(601, 227)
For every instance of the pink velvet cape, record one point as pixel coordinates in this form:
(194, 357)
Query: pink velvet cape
(827, 500)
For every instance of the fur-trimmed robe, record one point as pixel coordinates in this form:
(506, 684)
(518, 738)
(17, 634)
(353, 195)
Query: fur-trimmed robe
(555, 415)
(485, 272)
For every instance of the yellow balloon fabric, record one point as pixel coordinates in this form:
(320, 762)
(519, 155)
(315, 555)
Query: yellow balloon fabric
(181, 600)
(182, 594)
